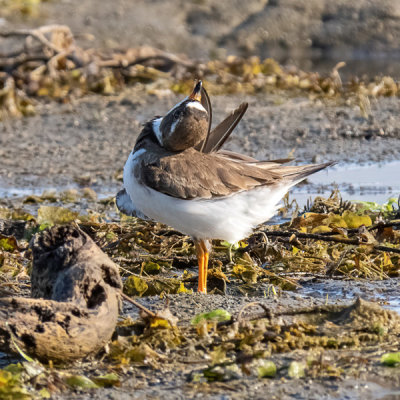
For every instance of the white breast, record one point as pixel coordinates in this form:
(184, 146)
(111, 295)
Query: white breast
(230, 218)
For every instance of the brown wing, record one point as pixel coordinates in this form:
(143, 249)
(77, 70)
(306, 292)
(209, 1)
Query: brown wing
(195, 175)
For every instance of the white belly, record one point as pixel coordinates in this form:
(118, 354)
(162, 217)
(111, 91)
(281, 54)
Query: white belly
(230, 218)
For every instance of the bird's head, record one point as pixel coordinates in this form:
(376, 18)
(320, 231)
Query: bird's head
(185, 125)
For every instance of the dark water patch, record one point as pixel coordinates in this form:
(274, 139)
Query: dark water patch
(6, 359)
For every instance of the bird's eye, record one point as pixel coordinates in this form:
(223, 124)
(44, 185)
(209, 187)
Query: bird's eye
(176, 115)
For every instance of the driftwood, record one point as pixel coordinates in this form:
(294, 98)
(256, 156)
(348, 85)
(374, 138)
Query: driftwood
(53, 48)
(47, 61)
(76, 299)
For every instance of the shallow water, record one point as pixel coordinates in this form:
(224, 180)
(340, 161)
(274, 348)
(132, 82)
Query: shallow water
(388, 395)
(394, 305)
(373, 182)
(7, 192)
(385, 292)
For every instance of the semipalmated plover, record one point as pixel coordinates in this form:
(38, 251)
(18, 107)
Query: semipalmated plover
(177, 175)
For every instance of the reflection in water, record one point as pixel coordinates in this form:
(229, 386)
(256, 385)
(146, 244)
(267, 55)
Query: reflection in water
(374, 182)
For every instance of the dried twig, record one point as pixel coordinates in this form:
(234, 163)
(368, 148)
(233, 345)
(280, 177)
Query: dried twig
(382, 225)
(267, 312)
(39, 34)
(388, 249)
(314, 236)
(138, 305)
(334, 266)
(165, 57)
(325, 238)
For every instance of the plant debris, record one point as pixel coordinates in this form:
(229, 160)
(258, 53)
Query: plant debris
(48, 63)
(257, 340)
(390, 359)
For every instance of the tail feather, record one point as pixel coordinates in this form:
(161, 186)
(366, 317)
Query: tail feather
(297, 173)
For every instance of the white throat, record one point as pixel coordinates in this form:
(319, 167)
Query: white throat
(157, 131)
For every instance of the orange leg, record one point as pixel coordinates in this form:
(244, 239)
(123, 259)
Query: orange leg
(206, 256)
(202, 257)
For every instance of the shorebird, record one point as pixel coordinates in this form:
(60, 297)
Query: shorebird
(177, 174)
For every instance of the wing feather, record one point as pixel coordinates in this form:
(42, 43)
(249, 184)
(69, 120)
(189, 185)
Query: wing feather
(194, 175)
(218, 136)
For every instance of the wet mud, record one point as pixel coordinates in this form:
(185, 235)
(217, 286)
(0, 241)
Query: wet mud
(84, 144)
(307, 33)
(89, 140)
(303, 315)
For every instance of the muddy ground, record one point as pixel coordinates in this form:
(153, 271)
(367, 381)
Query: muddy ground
(92, 137)
(308, 33)
(372, 381)
(85, 143)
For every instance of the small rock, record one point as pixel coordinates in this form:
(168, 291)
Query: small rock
(70, 195)
(89, 194)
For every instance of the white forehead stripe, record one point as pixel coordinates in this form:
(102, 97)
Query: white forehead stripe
(156, 129)
(177, 105)
(196, 104)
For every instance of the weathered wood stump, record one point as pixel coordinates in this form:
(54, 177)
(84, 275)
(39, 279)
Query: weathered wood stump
(76, 299)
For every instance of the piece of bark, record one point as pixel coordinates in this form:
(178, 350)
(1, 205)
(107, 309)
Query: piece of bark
(76, 299)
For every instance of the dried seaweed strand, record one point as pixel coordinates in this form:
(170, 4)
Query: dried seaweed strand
(381, 225)
(266, 314)
(325, 238)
